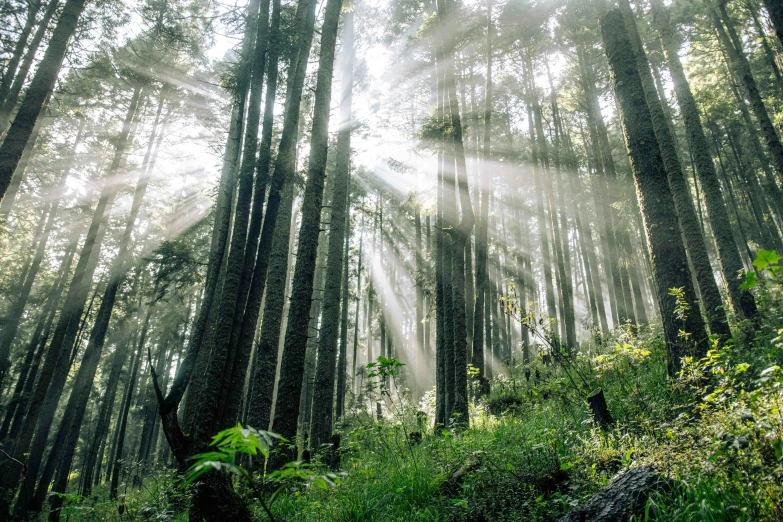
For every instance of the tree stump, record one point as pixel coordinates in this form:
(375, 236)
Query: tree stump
(625, 495)
(601, 414)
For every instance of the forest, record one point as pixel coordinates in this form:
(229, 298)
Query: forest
(391, 260)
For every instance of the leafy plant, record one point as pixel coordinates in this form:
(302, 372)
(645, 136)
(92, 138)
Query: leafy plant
(254, 443)
(766, 261)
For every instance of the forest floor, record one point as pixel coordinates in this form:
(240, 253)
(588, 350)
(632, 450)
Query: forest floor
(532, 451)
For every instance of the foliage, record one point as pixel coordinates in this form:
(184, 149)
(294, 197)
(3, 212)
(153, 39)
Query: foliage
(766, 262)
(248, 441)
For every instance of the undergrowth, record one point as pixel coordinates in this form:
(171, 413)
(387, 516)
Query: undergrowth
(532, 451)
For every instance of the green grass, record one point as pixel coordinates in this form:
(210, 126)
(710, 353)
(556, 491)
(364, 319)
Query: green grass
(532, 451)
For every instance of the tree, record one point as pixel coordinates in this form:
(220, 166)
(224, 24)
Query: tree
(678, 311)
(43, 82)
(292, 363)
(323, 398)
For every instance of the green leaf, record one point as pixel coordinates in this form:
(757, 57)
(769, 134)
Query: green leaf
(764, 258)
(627, 456)
(750, 281)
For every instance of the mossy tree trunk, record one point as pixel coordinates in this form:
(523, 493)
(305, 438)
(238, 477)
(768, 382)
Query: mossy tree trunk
(728, 254)
(295, 344)
(686, 213)
(667, 252)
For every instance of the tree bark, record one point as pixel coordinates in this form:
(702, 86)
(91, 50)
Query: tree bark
(41, 85)
(220, 367)
(292, 364)
(739, 62)
(775, 10)
(257, 251)
(10, 72)
(260, 405)
(68, 434)
(14, 316)
(55, 368)
(670, 265)
(323, 398)
(342, 362)
(728, 254)
(483, 221)
(10, 97)
(680, 190)
(191, 372)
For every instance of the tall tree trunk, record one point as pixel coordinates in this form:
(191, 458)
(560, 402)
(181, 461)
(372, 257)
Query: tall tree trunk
(14, 316)
(55, 368)
(483, 221)
(10, 97)
(539, 159)
(257, 252)
(775, 10)
(122, 421)
(68, 435)
(191, 372)
(290, 385)
(739, 63)
(728, 254)
(342, 363)
(670, 264)
(419, 278)
(260, 404)
(680, 190)
(40, 87)
(359, 293)
(9, 74)
(273, 245)
(323, 398)
(17, 406)
(9, 201)
(104, 417)
(220, 367)
(603, 191)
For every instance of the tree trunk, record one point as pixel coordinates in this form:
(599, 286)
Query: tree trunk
(739, 62)
(273, 245)
(10, 97)
(104, 418)
(670, 265)
(539, 158)
(220, 366)
(9, 74)
(122, 421)
(323, 398)
(8, 203)
(775, 10)
(55, 368)
(257, 251)
(359, 293)
(191, 372)
(728, 254)
(39, 89)
(483, 221)
(601, 192)
(292, 364)
(14, 316)
(342, 363)
(686, 214)
(67, 438)
(260, 405)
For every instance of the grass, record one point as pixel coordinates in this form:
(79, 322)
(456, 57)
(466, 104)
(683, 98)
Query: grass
(532, 451)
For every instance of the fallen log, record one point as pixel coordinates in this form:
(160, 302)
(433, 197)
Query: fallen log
(625, 495)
